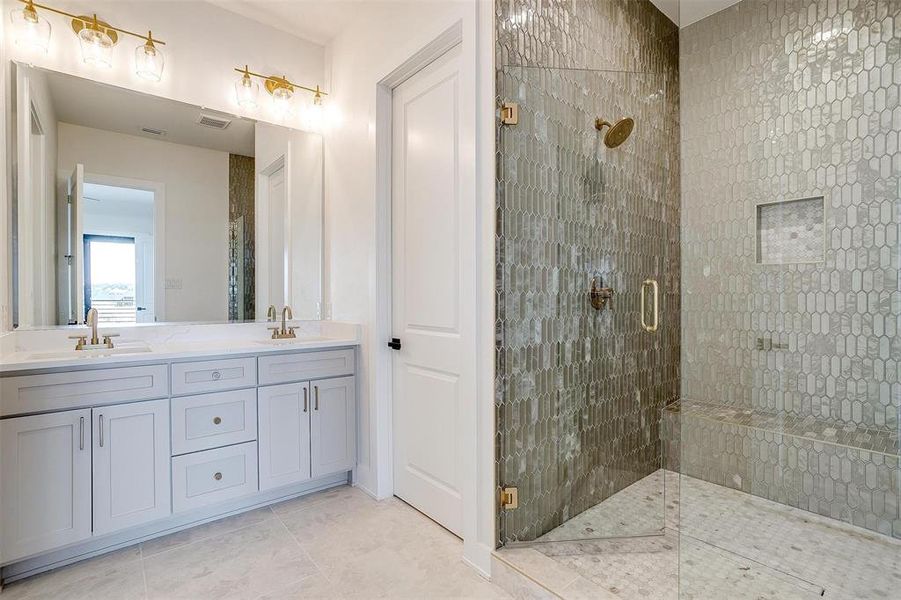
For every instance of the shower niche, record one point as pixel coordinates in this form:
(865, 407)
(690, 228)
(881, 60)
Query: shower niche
(791, 231)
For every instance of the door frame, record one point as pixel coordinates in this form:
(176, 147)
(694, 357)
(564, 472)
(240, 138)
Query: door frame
(159, 230)
(475, 32)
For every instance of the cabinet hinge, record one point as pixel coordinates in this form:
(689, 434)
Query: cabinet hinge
(510, 498)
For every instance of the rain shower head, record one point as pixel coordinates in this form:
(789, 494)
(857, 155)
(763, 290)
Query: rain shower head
(618, 133)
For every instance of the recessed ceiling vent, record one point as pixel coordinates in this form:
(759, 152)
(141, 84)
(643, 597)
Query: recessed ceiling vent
(152, 131)
(213, 121)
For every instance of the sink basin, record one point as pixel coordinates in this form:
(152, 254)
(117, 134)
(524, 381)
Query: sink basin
(123, 349)
(289, 341)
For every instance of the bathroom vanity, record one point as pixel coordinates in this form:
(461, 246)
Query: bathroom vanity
(103, 450)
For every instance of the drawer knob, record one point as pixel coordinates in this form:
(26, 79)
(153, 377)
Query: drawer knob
(217, 420)
(216, 375)
(217, 476)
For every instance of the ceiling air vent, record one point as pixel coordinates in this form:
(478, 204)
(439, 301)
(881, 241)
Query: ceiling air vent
(213, 121)
(152, 131)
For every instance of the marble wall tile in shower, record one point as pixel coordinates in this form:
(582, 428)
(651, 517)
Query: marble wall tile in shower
(788, 99)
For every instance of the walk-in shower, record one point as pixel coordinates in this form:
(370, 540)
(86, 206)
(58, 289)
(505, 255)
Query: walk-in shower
(698, 299)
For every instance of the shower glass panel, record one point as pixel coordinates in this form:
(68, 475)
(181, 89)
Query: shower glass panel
(587, 303)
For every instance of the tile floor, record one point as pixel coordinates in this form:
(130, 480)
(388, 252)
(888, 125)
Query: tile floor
(717, 543)
(339, 543)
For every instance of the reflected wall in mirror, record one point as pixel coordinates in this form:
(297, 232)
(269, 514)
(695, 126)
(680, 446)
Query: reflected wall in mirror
(154, 210)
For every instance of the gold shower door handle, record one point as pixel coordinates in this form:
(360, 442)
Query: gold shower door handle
(655, 289)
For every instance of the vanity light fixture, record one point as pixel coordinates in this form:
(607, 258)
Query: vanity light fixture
(149, 60)
(247, 90)
(280, 88)
(95, 37)
(30, 30)
(96, 40)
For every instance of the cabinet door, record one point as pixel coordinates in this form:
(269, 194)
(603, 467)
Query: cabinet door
(284, 436)
(131, 465)
(333, 426)
(45, 476)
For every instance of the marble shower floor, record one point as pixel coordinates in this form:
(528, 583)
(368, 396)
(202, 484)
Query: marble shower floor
(339, 543)
(719, 543)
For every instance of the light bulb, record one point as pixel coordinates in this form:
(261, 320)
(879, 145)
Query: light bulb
(30, 30)
(314, 117)
(149, 60)
(247, 91)
(281, 100)
(96, 45)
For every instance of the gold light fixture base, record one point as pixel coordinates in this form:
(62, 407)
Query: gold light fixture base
(274, 82)
(82, 21)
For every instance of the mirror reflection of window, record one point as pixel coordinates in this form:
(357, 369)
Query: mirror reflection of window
(110, 278)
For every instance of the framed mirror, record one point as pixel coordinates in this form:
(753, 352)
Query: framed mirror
(153, 210)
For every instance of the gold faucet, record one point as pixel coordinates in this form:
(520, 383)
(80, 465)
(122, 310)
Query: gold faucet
(284, 332)
(91, 320)
(271, 314)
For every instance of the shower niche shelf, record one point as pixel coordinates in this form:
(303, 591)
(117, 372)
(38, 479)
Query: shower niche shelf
(791, 231)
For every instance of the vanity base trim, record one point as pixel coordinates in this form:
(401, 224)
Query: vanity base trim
(173, 524)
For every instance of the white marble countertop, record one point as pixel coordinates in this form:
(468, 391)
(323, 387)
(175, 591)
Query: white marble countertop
(51, 348)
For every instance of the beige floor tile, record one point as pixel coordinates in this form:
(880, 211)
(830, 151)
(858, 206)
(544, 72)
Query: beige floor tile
(115, 576)
(241, 564)
(207, 530)
(334, 494)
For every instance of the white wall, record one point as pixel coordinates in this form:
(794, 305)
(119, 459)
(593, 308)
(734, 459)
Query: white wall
(204, 43)
(196, 194)
(355, 259)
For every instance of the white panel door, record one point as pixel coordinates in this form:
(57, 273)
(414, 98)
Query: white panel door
(131, 465)
(45, 468)
(433, 288)
(333, 426)
(284, 436)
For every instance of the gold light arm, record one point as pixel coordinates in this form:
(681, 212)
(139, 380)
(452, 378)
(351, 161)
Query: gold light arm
(276, 81)
(87, 21)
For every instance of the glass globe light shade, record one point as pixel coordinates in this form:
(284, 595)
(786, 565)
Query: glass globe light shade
(149, 61)
(96, 47)
(30, 30)
(247, 92)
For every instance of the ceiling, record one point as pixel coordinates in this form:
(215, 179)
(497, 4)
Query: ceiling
(691, 11)
(106, 193)
(90, 104)
(318, 21)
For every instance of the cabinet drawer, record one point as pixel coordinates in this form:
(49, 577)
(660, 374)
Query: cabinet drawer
(213, 420)
(285, 368)
(60, 391)
(212, 476)
(213, 375)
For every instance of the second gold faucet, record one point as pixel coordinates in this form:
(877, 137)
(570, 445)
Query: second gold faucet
(284, 332)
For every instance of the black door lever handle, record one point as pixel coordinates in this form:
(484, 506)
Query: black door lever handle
(394, 344)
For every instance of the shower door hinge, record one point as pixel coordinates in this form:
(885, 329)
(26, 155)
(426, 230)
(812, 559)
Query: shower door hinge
(509, 113)
(510, 498)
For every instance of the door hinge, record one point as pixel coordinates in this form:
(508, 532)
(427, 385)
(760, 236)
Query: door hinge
(510, 498)
(68, 198)
(509, 113)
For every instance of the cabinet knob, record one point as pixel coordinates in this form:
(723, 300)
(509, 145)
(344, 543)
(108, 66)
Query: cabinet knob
(216, 375)
(217, 476)
(216, 420)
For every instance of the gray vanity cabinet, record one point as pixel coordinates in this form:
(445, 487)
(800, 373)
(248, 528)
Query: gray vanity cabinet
(46, 472)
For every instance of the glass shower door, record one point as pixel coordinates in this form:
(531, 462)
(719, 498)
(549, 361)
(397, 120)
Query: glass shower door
(587, 304)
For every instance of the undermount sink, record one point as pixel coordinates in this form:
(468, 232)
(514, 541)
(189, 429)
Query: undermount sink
(123, 349)
(289, 341)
